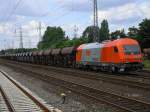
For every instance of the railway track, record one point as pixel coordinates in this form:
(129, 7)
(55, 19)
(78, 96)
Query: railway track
(123, 80)
(121, 102)
(15, 98)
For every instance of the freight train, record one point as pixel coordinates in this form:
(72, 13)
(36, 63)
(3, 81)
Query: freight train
(120, 55)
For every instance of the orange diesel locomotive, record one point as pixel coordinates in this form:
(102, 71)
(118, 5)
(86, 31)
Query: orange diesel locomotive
(117, 56)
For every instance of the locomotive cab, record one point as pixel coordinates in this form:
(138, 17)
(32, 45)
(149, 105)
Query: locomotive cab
(130, 55)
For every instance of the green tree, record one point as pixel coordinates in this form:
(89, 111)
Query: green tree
(144, 29)
(73, 42)
(133, 32)
(90, 32)
(52, 37)
(104, 31)
(118, 34)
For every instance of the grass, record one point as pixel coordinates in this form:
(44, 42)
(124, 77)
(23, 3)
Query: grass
(147, 63)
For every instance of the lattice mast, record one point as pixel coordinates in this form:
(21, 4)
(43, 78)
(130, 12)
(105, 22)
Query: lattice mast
(95, 17)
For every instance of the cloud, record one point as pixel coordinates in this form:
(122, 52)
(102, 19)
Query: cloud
(145, 8)
(32, 8)
(6, 29)
(87, 5)
(75, 5)
(119, 14)
(125, 14)
(30, 33)
(106, 4)
(25, 8)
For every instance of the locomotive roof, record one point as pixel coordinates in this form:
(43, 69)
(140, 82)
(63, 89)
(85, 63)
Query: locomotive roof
(91, 45)
(122, 41)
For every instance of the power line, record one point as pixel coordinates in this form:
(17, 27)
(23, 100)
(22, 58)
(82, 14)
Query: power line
(13, 10)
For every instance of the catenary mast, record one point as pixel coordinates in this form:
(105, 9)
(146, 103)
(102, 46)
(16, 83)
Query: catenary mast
(21, 38)
(95, 17)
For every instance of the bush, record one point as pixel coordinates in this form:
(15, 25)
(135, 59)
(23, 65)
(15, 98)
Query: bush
(146, 63)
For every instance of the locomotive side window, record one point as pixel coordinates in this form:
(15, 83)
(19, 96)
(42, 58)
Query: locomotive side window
(115, 49)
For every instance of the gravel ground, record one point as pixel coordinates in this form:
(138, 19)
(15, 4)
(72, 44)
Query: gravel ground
(52, 94)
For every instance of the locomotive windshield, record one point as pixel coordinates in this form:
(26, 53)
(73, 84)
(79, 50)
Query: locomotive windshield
(131, 49)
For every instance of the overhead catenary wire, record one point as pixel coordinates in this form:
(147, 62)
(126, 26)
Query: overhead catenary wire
(11, 13)
(61, 6)
(14, 9)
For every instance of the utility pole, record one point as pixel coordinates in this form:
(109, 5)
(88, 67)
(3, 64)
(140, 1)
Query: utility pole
(75, 31)
(95, 17)
(40, 36)
(21, 39)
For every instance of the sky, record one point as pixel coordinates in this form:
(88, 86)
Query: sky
(26, 15)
